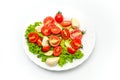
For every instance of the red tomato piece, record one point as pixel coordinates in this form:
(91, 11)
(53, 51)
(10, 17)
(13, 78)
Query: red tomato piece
(76, 33)
(65, 34)
(48, 20)
(55, 30)
(54, 41)
(45, 48)
(71, 50)
(66, 23)
(59, 17)
(33, 37)
(57, 50)
(51, 25)
(46, 30)
(39, 41)
(76, 43)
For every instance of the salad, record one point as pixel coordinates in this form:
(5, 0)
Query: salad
(55, 40)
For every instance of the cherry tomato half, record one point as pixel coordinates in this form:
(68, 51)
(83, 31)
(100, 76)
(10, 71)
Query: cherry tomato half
(39, 41)
(65, 34)
(71, 50)
(33, 37)
(54, 41)
(76, 43)
(46, 30)
(57, 50)
(66, 23)
(45, 48)
(76, 33)
(55, 30)
(48, 20)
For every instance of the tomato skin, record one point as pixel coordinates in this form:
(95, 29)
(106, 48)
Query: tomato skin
(54, 41)
(33, 37)
(48, 20)
(45, 48)
(76, 43)
(57, 51)
(39, 41)
(66, 23)
(59, 17)
(76, 33)
(51, 25)
(71, 50)
(46, 30)
(65, 34)
(55, 30)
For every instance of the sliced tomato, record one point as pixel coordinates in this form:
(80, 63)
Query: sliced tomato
(57, 50)
(48, 20)
(51, 25)
(39, 41)
(45, 48)
(54, 41)
(55, 29)
(76, 33)
(33, 37)
(76, 43)
(46, 30)
(59, 17)
(66, 23)
(71, 50)
(65, 34)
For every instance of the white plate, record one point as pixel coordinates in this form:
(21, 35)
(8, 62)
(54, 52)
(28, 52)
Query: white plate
(88, 40)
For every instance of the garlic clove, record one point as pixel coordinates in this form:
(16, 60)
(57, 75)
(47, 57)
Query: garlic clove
(49, 53)
(38, 28)
(52, 61)
(75, 23)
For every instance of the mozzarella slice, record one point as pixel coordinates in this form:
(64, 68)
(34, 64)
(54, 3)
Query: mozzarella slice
(75, 23)
(52, 61)
(45, 41)
(38, 28)
(49, 53)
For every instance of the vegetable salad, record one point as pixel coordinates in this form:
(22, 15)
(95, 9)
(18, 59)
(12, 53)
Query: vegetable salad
(55, 40)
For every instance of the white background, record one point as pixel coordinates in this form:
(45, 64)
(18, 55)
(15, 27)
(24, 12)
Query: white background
(103, 64)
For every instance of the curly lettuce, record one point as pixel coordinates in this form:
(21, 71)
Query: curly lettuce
(31, 28)
(66, 56)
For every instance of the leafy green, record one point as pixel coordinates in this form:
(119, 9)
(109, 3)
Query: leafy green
(62, 44)
(44, 58)
(37, 23)
(40, 34)
(66, 56)
(78, 55)
(62, 61)
(31, 28)
(40, 54)
(34, 48)
(37, 50)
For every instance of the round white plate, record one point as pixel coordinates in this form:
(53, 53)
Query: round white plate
(88, 39)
